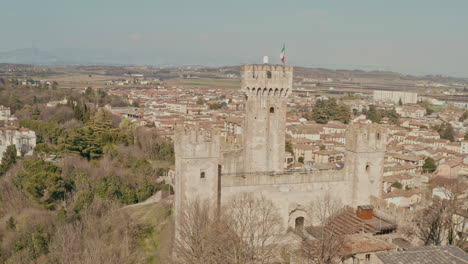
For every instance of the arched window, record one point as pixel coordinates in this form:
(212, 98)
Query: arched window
(202, 175)
(269, 74)
(378, 136)
(272, 110)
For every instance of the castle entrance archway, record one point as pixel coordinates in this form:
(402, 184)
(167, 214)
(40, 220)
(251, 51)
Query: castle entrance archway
(299, 224)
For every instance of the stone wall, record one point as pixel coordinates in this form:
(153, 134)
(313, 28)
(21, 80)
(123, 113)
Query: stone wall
(242, 180)
(291, 199)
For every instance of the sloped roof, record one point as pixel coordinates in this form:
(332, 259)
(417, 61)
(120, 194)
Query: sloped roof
(347, 223)
(425, 255)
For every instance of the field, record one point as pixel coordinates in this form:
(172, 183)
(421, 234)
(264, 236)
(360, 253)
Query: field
(82, 80)
(206, 83)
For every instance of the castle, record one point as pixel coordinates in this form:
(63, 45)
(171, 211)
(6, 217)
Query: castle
(212, 167)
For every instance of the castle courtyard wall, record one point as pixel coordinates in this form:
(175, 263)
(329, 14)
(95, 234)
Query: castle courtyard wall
(291, 194)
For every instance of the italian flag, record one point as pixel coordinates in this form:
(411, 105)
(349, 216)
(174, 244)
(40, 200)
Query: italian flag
(282, 57)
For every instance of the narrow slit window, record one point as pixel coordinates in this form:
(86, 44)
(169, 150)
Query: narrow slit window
(269, 74)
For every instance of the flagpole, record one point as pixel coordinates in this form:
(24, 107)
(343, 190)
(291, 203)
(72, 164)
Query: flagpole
(283, 54)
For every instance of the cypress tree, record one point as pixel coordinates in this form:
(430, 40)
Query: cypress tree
(8, 159)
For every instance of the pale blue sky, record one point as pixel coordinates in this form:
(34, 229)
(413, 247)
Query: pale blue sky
(409, 36)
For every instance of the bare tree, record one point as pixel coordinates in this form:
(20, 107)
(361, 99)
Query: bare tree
(455, 209)
(257, 227)
(328, 244)
(429, 226)
(195, 239)
(246, 230)
(442, 220)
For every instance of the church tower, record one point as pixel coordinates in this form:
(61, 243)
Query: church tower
(364, 161)
(266, 89)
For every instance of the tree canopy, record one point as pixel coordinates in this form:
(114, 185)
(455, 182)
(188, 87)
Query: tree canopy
(327, 110)
(8, 159)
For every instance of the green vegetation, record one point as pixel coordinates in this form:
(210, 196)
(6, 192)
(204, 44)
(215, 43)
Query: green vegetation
(8, 159)
(200, 101)
(397, 185)
(210, 83)
(445, 131)
(216, 106)
(429, 165)
(66, 211)
(289, 148)
(464, 116)
(42, 182)
(46, 132)
(327, 110)
(376, 115)
(428, 106)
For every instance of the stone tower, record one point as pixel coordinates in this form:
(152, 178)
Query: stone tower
(197, 173)
(365, 153)
(266, 89)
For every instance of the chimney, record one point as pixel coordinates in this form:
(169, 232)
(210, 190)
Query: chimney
(365, 212)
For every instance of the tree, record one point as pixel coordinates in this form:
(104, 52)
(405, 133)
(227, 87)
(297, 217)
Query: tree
(216, 106)
(326, 110)
(429, 165)
(288, 147)
(42, 182)
(198, 239)
(448, 133)
(429, 224)
(327, 246)
(35, 113)
(256, 224)
(47, 132)
(445, 131)
(244, 231)
(440, 221)
(373, 114)
(464, 116)
(8, 159)
(128, 127)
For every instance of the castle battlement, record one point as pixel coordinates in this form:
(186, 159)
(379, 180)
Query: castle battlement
(195, 143)
(366, 138)
(266, 80)
(293, 177)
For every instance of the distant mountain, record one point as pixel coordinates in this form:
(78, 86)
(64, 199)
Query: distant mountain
(29, 56)
(55, 57)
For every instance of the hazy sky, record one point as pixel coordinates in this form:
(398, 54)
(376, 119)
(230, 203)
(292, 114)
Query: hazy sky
(410, 36)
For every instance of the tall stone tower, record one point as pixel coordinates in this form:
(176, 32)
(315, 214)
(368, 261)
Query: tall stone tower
(365, 154)
(266, 89)
(197, 169)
